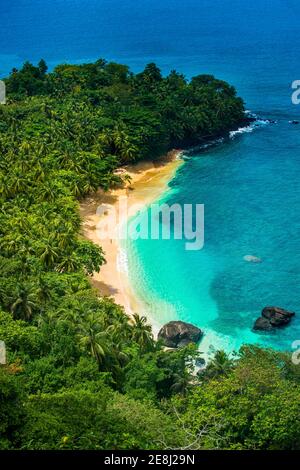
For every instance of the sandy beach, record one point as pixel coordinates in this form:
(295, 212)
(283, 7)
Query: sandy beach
(148, 181)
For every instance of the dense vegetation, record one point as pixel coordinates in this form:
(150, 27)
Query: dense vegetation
(80, 374)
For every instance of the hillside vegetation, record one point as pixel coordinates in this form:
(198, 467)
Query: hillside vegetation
(80, 374)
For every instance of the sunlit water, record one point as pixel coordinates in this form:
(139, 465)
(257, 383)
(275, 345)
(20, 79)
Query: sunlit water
(251, 196)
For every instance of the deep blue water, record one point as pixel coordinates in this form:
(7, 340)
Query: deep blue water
(250, 185)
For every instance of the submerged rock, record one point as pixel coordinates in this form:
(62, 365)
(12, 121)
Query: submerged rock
(273, 317)
(177, 334)
(252, 259)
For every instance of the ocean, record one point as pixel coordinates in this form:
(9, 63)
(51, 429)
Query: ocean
(249, 184)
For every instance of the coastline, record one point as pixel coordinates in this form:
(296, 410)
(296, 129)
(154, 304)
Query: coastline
(149, 179)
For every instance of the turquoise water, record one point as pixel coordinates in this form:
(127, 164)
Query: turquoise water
(249, 185)
(250, 190)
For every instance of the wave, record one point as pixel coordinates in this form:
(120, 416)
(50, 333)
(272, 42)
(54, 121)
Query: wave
(257, 122)
(122, 262)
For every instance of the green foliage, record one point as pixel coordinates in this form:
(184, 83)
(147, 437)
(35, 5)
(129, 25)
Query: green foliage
(220, 365)
(82, 419)
(141, 425)
(81, 374)
(19, 336)
(67, 419)
(160, 374)
(46, 375)
(252, 407)
(11, 409)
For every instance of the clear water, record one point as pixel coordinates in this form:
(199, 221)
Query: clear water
(250, 185)
(251, 194)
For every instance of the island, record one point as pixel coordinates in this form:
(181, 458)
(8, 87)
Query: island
(82, 372)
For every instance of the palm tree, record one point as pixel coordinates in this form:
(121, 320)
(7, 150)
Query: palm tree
(48, 253)
(93, 337)
(181, 383)
(120, 329)
(44, 290)
(221, 364)
(69, 263)
(17, 182)
(117, 142)
(25, 302)
(142, 332)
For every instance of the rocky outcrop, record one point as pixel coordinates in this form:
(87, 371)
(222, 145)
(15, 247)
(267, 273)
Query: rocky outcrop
(177, 334)
(262, 324)
(277, 316)
(273, 317)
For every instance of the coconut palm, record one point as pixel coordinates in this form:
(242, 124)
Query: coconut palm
(181, 383)
(69, 263)
(49, 254)
(142, 332)
(25, 302)
(44, 290)
(221, 364)
(93, 337)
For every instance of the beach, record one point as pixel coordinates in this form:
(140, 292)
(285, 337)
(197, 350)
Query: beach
(148, 180)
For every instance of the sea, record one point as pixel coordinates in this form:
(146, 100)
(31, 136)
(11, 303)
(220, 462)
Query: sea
(249, 183)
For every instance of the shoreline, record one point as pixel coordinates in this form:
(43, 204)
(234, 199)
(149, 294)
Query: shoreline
(149, 179)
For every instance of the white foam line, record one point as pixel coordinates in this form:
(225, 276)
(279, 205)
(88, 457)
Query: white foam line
(122, 262)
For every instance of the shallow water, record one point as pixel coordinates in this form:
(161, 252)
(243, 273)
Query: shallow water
(252, 204)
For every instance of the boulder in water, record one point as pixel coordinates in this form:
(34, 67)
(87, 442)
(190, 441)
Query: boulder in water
(177, 334)
(262, 324)
(273, 317)
(277, 316)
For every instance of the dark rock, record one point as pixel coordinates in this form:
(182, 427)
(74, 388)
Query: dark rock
(177, 334)
(262, 324)
(200, 362)
(273, 317)
(277, 316)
